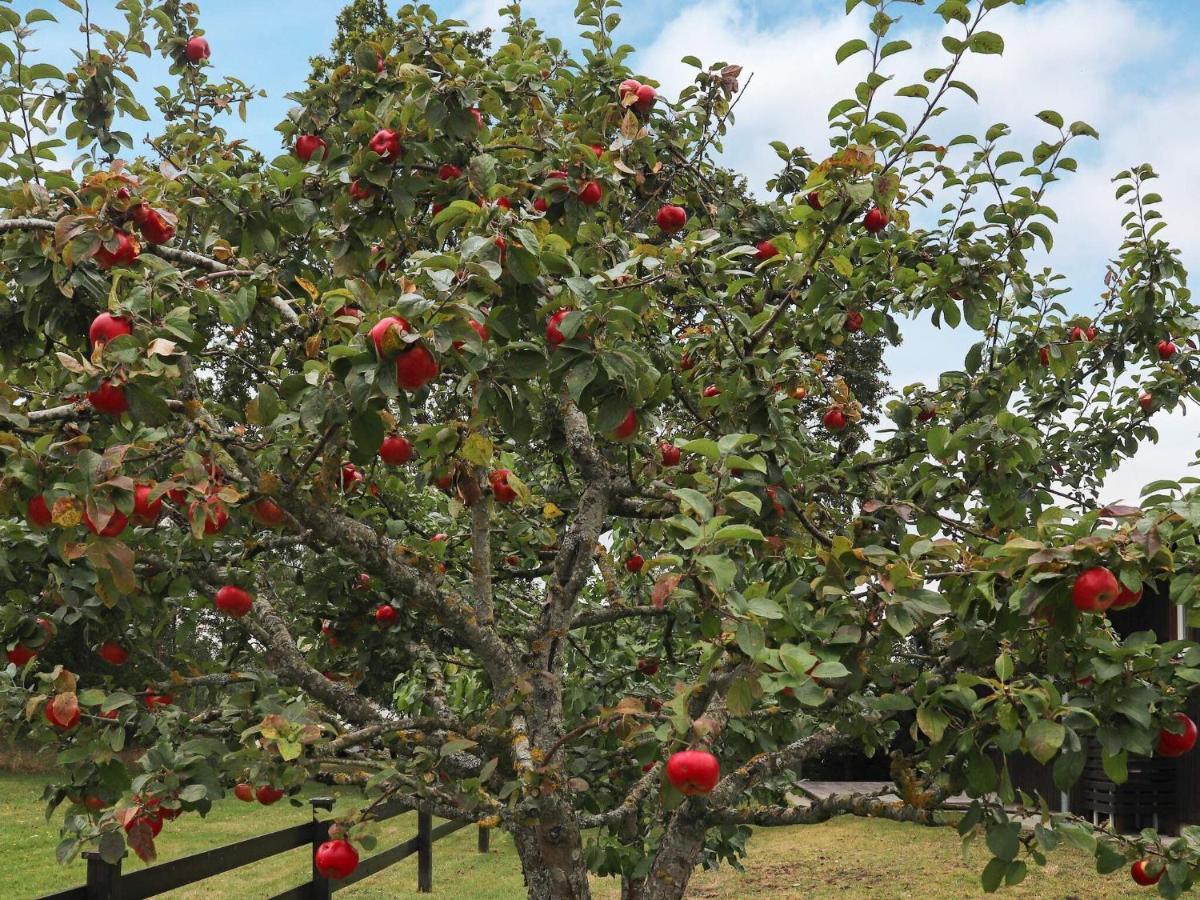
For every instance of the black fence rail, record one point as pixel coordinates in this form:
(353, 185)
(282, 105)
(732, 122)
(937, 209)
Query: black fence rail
(105, 880)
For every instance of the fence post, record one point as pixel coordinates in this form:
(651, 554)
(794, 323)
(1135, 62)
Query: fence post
(424, 851)
(103, 878)
(321, 889)
(484, 839)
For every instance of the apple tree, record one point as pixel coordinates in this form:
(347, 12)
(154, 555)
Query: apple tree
(491, 447)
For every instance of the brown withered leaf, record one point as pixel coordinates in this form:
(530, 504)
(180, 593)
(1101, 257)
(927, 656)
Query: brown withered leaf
(663, 588)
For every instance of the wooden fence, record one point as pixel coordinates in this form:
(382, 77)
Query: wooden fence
(105, 880)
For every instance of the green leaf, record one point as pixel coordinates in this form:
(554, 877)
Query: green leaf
(481, 174)
(848, 49)
(1004, 666)
(1109, 858)
(112, 846)
(1004, 840)
(1044, 738)
(932, 721)
(894, 47)
(765, 608)
(522, 265)
(738, 533)
(193, 792)
(993, 874)
(987, 42)
(1116, 766)
(746, 499)
(1050, 117)
(366, 436)
(696, 501)
(937, 439)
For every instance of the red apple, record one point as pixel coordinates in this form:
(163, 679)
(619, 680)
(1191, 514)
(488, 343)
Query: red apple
(109, 399)
(876, 220)
(1177, 743)
(648, 666)
(814, 200)
(38, 512)
(268, 512)
(1142, 877)
(1044, 356)
(597, 149)
(501, 489)
(646, 96)
(671, 218)
(1095, 590)
(765, 250)
(502, 246)
(693, 772)
(503, 203)
(213, 511)
(854, 321)
(351, 476)
(479, 328)
(335, 859)
(415, 368)
(634, 563)
(106, 328)
(926, 414)
(554, 336)
(361, 189)
(440, 536)
(387, 333)
(310, 145)
(386, 143)
(396, 450)
(628, 87)
(126, 252)
(385, 615)
(477, 116)
(68, 718)
(670, 454)
(20, 654)
(113, 653)
(154, 225)
(540, 204)
(145, 512)
(834, 419)
(799, 392)
(233, 601)
(197, 49)
(114, 526)
(267, 795)
(591, 193)
(1127, 599)
(1166, 349)
(244, 792)
(712, 391)
(448, 172)
(154, 700)
(153, 821)
(1146, 401)
(628, 427)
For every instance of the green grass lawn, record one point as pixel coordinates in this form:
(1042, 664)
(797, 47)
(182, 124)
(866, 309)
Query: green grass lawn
(844, 858)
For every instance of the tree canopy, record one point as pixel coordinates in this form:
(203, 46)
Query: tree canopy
(493, 447)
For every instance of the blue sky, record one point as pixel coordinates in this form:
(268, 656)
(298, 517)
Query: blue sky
(1126, 66)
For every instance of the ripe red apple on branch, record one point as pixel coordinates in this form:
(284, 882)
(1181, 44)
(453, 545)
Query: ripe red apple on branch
(693, 772)
(336, 859)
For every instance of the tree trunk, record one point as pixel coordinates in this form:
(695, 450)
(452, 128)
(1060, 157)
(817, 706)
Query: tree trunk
(678, 855)
(551, 853)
